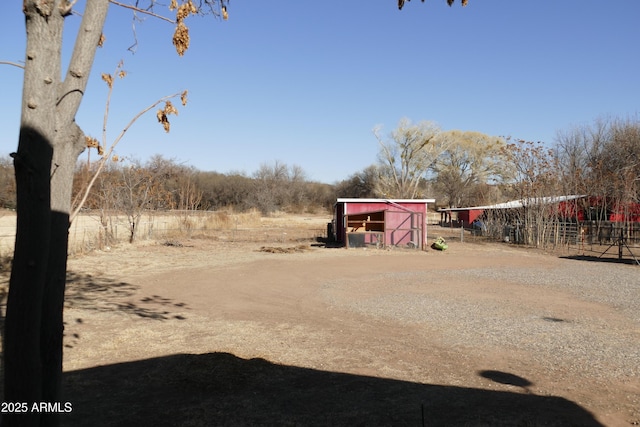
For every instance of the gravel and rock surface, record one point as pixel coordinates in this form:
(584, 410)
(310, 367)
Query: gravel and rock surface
(212, 333)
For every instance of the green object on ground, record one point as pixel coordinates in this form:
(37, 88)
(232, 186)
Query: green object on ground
(440, 244)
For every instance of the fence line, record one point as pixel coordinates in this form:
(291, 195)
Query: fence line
(554, 235)
(88, 233)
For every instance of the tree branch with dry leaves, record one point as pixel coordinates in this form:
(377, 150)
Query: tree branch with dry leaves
(183, 10)
(162, 116)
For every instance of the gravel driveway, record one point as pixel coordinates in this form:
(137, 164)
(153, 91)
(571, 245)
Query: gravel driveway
(480, 334)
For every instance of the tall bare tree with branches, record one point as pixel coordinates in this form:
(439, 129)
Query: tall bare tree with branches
(406, 156)
(472, 159)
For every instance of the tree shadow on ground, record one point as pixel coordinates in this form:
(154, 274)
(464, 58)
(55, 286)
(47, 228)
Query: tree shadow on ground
(220, 389)
(607, 259)
(88, 292)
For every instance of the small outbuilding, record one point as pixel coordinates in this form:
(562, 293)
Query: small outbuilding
(381, 222)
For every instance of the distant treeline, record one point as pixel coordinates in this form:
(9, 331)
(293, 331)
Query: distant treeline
(165, 184)
(458, 169)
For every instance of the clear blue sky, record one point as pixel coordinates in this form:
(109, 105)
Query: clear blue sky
(305, 82)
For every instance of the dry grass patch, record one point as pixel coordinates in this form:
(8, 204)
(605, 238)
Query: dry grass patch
(228, 219)
(288, 250)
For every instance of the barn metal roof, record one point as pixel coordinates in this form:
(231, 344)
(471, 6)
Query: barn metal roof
(515, 204)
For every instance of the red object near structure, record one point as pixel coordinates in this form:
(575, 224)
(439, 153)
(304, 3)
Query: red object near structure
(468, 216)
(381, 222)
(629, 212)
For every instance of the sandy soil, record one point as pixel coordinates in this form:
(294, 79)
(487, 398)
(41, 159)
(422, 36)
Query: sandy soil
(206, 333)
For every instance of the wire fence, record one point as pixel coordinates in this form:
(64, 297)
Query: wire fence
(91, 232)
(600, 239)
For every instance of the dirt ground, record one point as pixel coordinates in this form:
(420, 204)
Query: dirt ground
(205, 333)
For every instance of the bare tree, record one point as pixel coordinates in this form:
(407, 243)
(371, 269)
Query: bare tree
(536, 181)
(360, 184)
(104, 200)
(49, 144)
(406, 157)
(139, 190)
(579, 151)
(220, 190)
(7, 184)
(178, 186)
(603, 161)
(278, 186)
(471, 159)
(621, 160)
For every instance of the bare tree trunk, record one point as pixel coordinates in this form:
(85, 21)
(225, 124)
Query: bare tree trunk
(48, 147)
(64, 160)
(22, 346)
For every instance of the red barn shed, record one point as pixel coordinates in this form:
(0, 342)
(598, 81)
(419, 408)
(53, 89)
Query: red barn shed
(381, 222)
